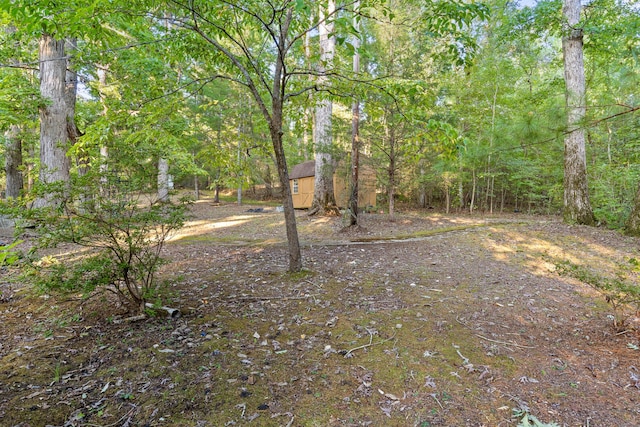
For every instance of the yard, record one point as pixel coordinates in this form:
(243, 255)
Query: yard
(429, 320)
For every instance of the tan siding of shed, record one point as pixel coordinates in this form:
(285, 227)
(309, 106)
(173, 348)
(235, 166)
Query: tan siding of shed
(366, 186)
(304, 197)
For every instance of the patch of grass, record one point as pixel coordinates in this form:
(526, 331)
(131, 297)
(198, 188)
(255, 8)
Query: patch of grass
(618, 292)
(418, 234)
(227, 239)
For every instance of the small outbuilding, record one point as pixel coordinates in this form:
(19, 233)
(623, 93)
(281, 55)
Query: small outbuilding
(302, 182)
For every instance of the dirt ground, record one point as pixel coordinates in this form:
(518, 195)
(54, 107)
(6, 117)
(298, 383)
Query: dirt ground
(428, 320)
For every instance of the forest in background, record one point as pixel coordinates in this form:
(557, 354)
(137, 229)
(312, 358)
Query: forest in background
(462, 104)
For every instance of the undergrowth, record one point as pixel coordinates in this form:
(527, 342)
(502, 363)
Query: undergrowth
(621, 292)
(119, 232)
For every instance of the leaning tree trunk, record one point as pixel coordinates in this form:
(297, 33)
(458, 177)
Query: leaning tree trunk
(275, 130)
(323, 194)
(54, 163)
(577, 208)
(13, 162)
(295, 254)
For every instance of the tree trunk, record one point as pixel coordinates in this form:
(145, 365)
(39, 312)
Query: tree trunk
(295, 255)
(104, 149)
(216, 193)
(163, 180)
(54, 163)
(308, 119)
(491, 195)
(473, 191)
(275, 129)
(323, 194)
(240, 172)
(13, 162)
(577, 208)
(447, 198)
(196, 187)
(632, 226)
(422, 195)
(70, 95)
(13, 151)
(463, 203)
(390, 132)
(355, 134)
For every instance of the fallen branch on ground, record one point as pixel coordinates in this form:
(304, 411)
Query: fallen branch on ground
(371, 343)
(504, 342)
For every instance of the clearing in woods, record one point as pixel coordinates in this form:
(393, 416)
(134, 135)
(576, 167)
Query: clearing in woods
(431, 320)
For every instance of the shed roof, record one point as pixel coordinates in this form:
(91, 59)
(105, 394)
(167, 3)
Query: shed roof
(303, 170)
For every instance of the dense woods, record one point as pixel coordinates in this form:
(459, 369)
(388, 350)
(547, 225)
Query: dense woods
(458, 105)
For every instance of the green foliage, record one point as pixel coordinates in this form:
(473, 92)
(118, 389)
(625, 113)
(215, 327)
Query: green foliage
(451, 20)
(612, 193)
(619, 292)
(123, 230)
(9, 255)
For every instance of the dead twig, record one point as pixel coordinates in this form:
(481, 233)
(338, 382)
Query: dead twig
(371, 343)
(257, 298)
(361, 346)
(311, 283)
(436, 399)
(131, 319)
(128, 414)
(504, 342)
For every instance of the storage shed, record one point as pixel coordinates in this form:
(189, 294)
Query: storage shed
(302, 182)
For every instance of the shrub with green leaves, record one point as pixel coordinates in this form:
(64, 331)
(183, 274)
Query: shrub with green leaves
(9, 255)
(121, 230)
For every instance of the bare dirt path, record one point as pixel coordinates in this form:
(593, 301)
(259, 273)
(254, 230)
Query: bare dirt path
(429, 320)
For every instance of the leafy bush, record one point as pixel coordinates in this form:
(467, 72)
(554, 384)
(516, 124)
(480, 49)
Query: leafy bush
(8, 254)
(123, 232)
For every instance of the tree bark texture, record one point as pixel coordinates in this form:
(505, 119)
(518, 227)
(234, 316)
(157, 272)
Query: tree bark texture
(295, 254)
(163, 180)
(13, 162)
(323, 196)
(70, 95)
(13, 152)
(577, 208)
(54, 162)
(391, 190)
(355, 134)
